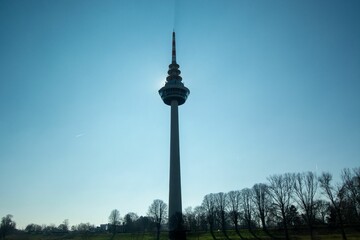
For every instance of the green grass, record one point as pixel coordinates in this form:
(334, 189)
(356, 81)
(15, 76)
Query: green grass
(353, 235)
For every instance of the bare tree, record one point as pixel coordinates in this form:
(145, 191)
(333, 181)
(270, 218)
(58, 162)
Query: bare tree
(84, 229)
(281, 190)
(114, 221)
(321, 210)
(351, 180)
(157, 211)
(129, 221)
(7, 225)
(233, 205)
(336, 196)
(262, 202)
(210, 208)
(49, 229)
(200, 218)
(305, 187)
(190, 220)
(144, 224)
(247, 206)
(33, 228)
(220, 205)
(64, 226)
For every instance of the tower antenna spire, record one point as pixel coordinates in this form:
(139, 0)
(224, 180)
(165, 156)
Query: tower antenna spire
(173, 48)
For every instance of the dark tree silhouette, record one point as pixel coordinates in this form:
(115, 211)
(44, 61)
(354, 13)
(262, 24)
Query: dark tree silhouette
(281, 190)
(200, 218)
(64, 226)
(157, 211)
(351, 180)
(33, 228)
(190, 220)
(305, 187)
(114, 221)
(247, 206)
(233, 205)
(144, 224)
(220, 205)
(262, 204)
(83, 229)
(7, 226)
(49, 229)
(210, 209)
(336, 196)
(129, 221)
(293, 217)
(321, 210)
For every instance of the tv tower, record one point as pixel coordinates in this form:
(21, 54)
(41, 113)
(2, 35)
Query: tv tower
(174, 94)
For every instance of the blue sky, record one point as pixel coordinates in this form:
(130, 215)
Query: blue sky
(274, 88)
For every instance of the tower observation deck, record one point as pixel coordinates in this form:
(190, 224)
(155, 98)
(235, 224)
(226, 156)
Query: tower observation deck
(174, 93)
(174, 89)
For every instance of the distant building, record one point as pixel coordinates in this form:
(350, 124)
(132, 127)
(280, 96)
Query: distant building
(104, 227)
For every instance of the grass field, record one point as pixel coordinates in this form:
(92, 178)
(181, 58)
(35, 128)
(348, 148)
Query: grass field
(329, 234)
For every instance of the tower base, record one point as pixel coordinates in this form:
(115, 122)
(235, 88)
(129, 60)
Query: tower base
(176, 227)
(177, 235)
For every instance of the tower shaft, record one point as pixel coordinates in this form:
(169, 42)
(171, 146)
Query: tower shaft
(175, 208)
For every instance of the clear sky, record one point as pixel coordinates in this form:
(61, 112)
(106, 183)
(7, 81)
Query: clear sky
(274, 88)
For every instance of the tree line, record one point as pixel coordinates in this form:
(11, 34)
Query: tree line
(130, 223)
(290, 200)
(286, 201)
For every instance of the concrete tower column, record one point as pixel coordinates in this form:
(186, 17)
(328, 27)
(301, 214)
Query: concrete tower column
(174, 94)
(175, 177)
